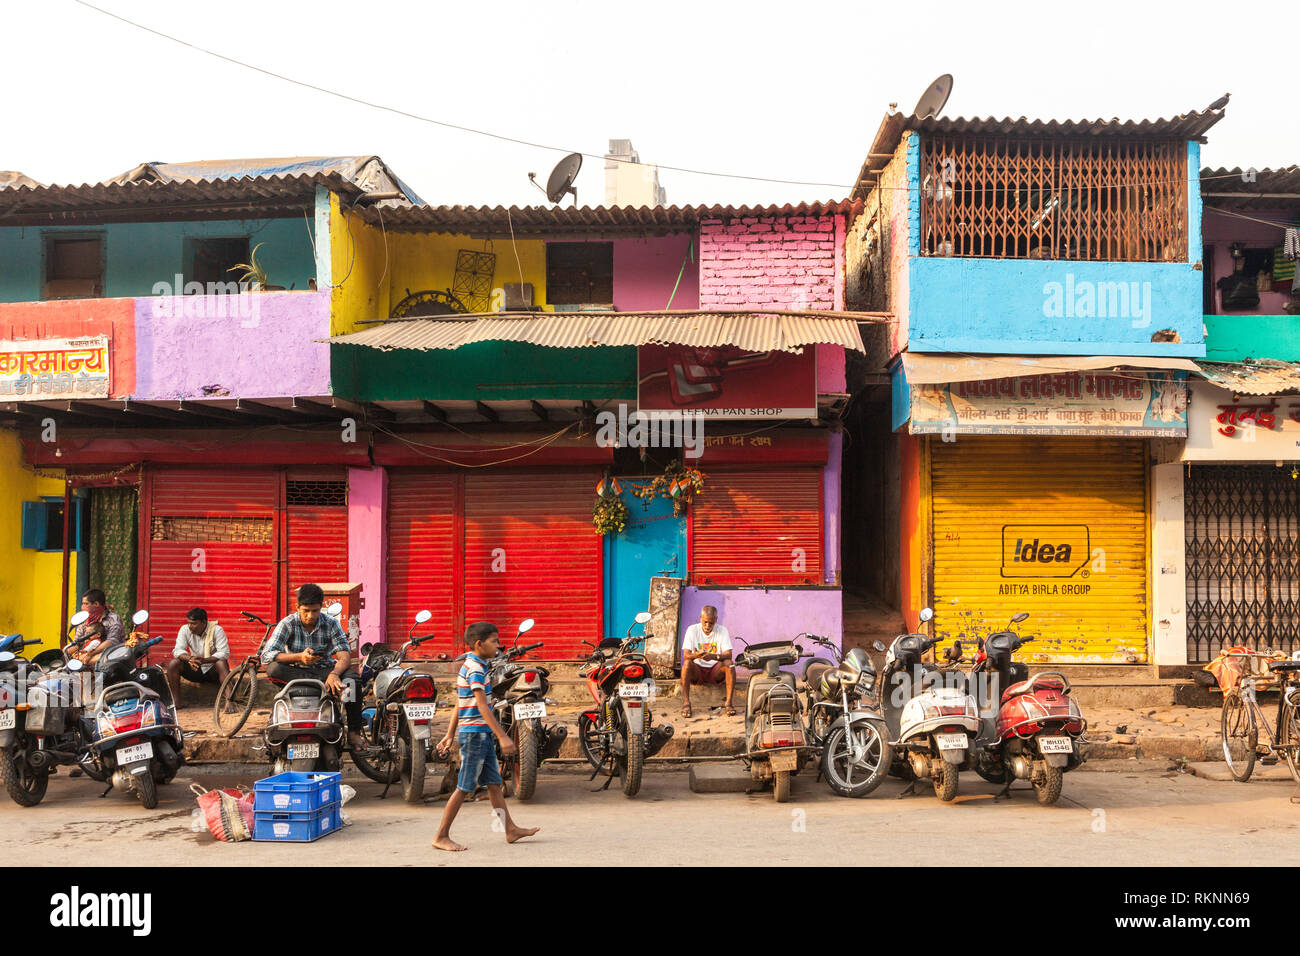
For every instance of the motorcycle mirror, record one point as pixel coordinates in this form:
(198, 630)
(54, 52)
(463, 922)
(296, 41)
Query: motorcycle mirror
(335, 609)
(74, 665)
(6, 656)
(643, 617)
(927, 614)
(423, 616)
(367, 648)
(78, 619)
(139, 617)
(1022, 616)
(526, 625)
(879, 646)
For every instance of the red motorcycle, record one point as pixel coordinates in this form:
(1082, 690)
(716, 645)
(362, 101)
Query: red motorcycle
(1038, 728)
(617, 734)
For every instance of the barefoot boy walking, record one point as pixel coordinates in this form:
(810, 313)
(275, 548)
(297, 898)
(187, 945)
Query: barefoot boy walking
(473, 727)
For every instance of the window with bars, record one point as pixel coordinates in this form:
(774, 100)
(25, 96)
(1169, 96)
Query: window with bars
(324, 494)
(1098, 199)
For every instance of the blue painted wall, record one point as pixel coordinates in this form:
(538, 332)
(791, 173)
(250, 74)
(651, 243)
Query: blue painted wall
(653, 544)
(137, 255)
(1032, 306)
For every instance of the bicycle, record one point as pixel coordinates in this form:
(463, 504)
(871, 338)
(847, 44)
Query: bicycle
(1242, 716)
(238, 691)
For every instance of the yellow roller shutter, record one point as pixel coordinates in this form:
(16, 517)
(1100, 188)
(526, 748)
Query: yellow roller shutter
(1056, 527)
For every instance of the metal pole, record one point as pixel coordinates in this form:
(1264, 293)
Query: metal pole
(67, 523)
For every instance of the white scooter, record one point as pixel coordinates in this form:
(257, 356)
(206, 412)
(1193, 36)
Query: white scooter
(930, 713)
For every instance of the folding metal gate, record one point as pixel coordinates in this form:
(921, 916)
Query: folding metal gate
(1242, 526)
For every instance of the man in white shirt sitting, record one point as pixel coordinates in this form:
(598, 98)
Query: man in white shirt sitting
(201, 654)
(706, 658)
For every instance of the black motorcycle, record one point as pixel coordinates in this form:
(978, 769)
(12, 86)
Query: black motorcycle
(519, 703)
(397, 718)
(845, 721)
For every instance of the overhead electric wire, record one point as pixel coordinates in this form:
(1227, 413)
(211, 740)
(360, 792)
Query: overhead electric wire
(436, 122)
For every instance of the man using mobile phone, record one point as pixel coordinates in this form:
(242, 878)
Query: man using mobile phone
(312, 645)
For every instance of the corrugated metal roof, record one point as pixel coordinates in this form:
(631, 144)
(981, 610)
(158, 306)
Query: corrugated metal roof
(12, 179)
(1268, 187)
(753, 331)
(1265, 377)
(1191, 125)
(922, 368)
(535, 220)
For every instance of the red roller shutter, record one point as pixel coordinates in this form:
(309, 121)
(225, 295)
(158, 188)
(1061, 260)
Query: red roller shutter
(212, 545)
(758, 528)
(531, 551)
(422, 557)
(316, 533)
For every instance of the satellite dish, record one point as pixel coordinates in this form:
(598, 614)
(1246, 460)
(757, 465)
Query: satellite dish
(561, 179)
(935, 96)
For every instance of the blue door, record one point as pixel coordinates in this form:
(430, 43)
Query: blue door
(653, 545)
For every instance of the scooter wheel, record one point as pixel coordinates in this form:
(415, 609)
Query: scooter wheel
(781, 786)
(945, 783)
(148, 790)
(1047, 787)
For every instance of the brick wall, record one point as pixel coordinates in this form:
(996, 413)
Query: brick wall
(786, 262)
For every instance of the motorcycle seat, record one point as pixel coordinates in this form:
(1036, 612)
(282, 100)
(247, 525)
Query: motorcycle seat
(1284, 666)
(1055, 682)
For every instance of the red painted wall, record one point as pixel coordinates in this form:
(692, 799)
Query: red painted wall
(76, 318)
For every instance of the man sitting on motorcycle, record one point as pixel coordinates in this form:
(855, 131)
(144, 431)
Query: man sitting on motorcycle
(301, 648)
(706, 658)
(95, 604)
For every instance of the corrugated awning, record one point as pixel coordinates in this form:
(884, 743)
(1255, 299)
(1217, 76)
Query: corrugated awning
(924, 369)
(753, 331)
(1265, 377)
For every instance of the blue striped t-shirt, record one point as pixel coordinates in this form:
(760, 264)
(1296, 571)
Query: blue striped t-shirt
(473, 676)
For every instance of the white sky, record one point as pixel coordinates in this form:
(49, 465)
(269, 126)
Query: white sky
(784, 90)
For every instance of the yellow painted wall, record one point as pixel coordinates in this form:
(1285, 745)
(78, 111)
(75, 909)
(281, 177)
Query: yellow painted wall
(30, 581)
(373, 270)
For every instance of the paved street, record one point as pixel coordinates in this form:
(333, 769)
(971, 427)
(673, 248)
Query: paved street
(1130, 813)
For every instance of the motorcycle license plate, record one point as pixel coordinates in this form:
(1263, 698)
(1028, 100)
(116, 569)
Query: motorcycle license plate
(420, 711)
(785, 760)
(529, 711)
(304, 751)
(634, 690)
(8, 719)
(133, 754)
(1055, 745)
(951, 741)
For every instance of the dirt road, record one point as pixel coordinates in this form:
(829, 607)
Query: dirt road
(1126, 815)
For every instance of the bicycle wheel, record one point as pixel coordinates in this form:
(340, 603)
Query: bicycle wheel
(1240, 736)
(235, 699)
(1288, 737)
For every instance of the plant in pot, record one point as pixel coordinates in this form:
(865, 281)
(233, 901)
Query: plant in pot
(254, 277)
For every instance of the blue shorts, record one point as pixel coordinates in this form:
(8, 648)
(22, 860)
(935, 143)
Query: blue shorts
(478, 761)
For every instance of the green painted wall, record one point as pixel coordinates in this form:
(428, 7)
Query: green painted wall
(139, 254)
(1235, 338)
(484, 371)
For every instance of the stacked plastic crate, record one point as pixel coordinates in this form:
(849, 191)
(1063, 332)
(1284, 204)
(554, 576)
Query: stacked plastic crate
(296, 807)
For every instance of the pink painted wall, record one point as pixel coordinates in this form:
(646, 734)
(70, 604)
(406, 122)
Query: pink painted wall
(256, 345)
(831, 509)
(368, 546)
(645, 271)
(787, 262)
(1220, 232)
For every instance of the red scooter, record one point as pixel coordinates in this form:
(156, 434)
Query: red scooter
(1038, 726)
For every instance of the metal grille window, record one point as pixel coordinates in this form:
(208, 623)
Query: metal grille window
(322, 494)
(1097, 199)
(1242, 525)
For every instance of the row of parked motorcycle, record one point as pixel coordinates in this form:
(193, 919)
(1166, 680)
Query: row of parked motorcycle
(919, 720)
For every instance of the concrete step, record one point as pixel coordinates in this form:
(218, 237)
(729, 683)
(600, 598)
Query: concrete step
(1132, 693)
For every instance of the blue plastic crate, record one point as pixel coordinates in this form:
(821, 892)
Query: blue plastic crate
(297, 792)
(277, 827)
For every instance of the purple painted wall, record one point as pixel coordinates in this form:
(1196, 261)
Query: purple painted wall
(256, 345)
(368, 545)
(831, 509)
(645, 271)
(754, 615)
(1220, 232)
